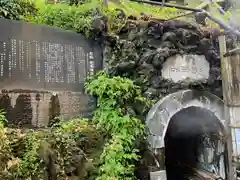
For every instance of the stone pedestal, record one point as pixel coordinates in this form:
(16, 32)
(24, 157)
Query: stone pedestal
(158, 175)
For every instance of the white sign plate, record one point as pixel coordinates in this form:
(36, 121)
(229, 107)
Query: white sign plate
(182, 67)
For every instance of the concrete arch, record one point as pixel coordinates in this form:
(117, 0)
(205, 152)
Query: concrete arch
(160, 114)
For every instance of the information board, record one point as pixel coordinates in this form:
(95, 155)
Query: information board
(42, 57)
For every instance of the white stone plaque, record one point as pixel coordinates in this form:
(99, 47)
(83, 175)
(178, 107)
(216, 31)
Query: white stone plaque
(181, 67)
(158, 175)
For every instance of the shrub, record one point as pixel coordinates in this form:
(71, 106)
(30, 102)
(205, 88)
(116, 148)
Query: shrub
(120, 153)
(17, 9)
(62, 151)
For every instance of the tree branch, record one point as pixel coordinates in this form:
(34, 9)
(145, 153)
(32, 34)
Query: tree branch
(210, 16)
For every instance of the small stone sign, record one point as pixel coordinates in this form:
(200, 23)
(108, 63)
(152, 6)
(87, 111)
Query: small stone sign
(158, 175)
(181, 67)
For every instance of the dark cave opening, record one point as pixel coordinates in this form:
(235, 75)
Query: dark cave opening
(192, 143)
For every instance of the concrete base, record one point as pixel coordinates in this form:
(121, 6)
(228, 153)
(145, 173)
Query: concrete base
(158, 175)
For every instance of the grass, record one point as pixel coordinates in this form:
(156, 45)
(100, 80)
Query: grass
(129, 7)
(135, 9)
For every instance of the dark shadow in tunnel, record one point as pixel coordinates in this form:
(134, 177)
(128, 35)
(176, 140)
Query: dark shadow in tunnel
(182, 140)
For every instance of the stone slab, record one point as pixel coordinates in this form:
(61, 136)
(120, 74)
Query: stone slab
(158, 175)
(182, 67)
(38, 61)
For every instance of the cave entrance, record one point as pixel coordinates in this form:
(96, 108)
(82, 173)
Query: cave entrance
(187, 135)
(195, 145)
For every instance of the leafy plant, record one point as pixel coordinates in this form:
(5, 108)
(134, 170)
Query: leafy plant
(59, 152)
(79, 18)
(120, 153)
(73, 18)
(17, 9)
(30, 164)
(5, 149)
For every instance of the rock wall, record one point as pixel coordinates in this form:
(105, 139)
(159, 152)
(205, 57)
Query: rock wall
(163, 57)
(142, 49)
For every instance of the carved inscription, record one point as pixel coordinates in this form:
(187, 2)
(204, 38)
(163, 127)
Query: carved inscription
(45, 61)
(91, 63)
(38, 60)
(178, 68)
(69, 56)
(2, 56)
(81, 65)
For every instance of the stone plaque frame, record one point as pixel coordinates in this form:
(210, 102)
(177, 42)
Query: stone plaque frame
(163, 110)
(161, 113)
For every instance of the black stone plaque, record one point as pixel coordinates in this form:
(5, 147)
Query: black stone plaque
(42, 57)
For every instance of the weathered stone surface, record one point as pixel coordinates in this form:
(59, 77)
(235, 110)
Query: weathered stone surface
(26, 108)
(37, 108)
(143, 50)
(158, 175)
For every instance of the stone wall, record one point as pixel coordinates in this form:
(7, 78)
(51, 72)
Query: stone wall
(163, 57)
(37, 108)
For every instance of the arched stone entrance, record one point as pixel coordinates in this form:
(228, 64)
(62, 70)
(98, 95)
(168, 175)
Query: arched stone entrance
(165, 116)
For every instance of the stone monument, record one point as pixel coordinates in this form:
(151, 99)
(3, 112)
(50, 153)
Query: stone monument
(42, 67)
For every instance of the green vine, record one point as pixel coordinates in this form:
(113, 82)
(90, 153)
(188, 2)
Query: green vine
(120, 153)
